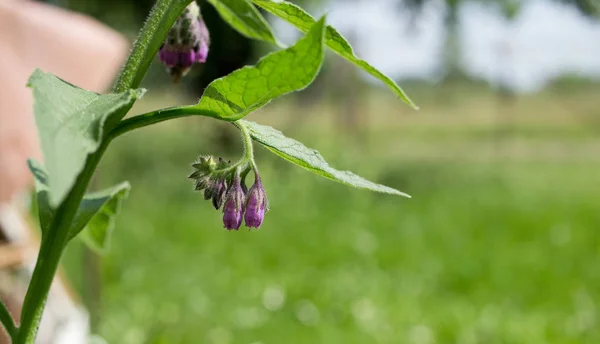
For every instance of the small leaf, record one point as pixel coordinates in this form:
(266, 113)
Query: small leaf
(295, 152)
(71, 122)
(245, 18)
(45, 211)
(249, 88)
(95, 218)
(333, 39)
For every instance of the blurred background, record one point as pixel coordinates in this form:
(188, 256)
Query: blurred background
(499, 243)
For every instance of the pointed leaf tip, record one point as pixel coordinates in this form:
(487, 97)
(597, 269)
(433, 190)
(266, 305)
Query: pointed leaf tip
(310, 159)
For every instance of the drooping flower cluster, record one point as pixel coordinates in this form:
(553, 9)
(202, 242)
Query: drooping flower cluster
(186, 43)
(226, 188)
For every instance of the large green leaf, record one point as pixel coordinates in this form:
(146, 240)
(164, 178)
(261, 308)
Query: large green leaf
(71, 122)
(295, 152)
(333, 39)
(245, 18)
(249, 88)
(96, 216)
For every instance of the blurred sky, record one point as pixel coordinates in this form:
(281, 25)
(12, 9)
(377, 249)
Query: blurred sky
(545, 40)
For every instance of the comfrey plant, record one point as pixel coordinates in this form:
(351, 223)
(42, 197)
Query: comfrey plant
(76, 126)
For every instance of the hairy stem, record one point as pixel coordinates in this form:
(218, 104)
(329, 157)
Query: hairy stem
(158, 116)
(7, 321)
(162, 115)
(248, 145)
(159, 22)
(51, 250)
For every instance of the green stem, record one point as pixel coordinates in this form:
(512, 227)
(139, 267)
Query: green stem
(162, 17)
(158, 116)
(248, 145)
(155, 29)
(8, 321)
(51, 250)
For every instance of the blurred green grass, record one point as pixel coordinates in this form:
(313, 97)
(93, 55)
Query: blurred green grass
(499, 244)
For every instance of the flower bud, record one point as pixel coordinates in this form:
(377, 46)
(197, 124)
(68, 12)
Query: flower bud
(186, 43)
(218, 193)
(234, 205)
(202, 183)
(256, 204)
(208, 193)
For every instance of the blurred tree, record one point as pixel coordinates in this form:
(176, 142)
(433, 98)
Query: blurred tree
(508, 8)
(451, 49)
(588, 7)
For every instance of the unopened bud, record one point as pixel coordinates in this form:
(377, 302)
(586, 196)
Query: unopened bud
(186, 43)
(202, 183)
(218, 193)
(208, 193)
(256, 204)
(234, 205)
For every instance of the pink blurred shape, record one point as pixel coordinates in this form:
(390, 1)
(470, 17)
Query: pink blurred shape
(72, 46)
